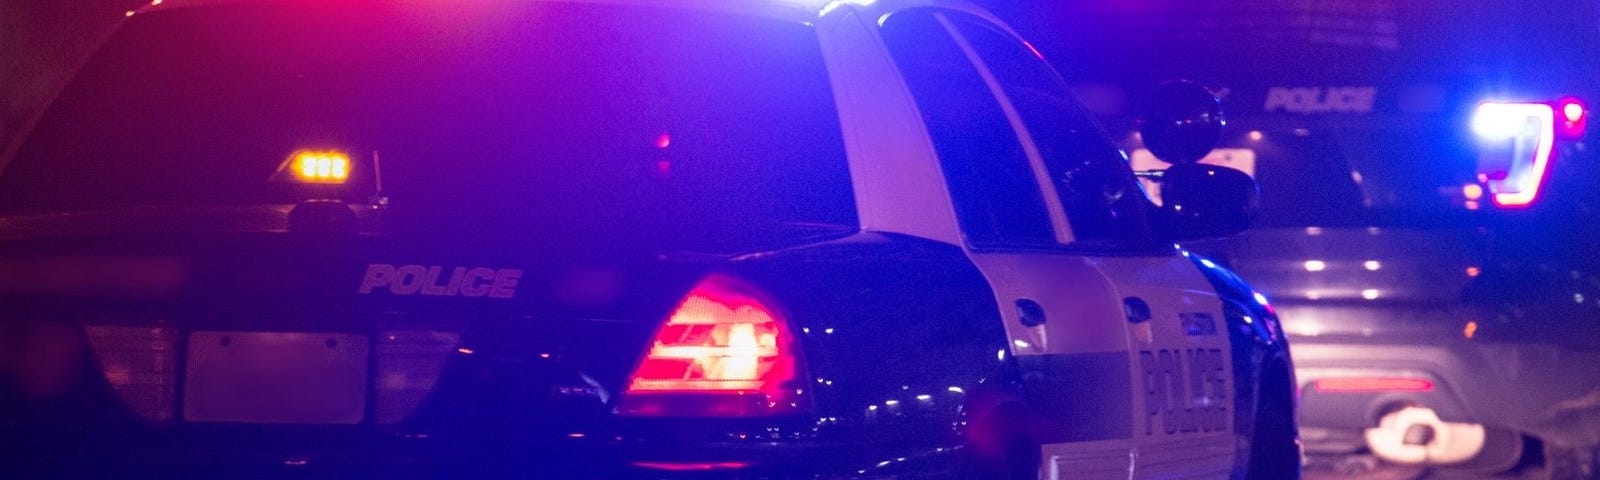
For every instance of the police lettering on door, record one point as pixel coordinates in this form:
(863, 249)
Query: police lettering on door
(1185, 390)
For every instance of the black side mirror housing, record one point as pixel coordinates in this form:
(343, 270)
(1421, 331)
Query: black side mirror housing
(1201, 201)
(1181, 123)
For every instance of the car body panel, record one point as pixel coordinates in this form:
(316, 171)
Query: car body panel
(1186, 403)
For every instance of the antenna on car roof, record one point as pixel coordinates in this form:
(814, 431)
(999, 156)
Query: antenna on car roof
(378, 198)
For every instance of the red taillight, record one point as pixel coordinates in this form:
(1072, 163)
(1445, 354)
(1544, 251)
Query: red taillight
(1373, 385)
(1573, 118)
(723, 352)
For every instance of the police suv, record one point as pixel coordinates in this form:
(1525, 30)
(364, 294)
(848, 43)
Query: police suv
(613, 239)
(1427, 225)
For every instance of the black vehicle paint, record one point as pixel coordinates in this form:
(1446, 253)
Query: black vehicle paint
(520, 359)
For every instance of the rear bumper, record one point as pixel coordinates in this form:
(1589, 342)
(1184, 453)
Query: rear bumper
(470, 426)
(239, 452)
(1545, 390)
(89, 439)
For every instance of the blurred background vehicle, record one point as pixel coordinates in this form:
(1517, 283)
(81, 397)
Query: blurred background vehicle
(1428, 204)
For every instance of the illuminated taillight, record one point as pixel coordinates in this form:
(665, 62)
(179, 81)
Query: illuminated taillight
(319, 166)
(1517, 141)
(1373, 384)
(724, 351)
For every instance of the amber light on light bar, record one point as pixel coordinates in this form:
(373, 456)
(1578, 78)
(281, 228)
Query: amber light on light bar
(320, 166)
(1373, 384)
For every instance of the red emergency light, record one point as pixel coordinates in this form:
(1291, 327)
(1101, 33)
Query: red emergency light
(1572, 118)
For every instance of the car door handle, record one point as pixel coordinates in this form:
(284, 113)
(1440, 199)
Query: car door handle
(1138, 311)
(1030, 313)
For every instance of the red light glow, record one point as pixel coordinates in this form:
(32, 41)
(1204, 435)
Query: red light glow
(1373, 385)
(690, 467)
(1033, 50)
(1574, 118)
(722, 353)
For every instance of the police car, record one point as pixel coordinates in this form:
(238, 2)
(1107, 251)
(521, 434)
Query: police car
(618, 239)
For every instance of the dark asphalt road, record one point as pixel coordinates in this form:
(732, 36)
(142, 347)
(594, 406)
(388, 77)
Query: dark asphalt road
(1362, 467)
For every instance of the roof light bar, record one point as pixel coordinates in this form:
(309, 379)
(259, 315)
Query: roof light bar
(320, 166)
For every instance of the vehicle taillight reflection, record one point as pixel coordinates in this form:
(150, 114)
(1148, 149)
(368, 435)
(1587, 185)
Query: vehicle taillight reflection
(690, 467)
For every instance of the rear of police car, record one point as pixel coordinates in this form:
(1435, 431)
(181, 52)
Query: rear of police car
(255, 236)
(1425, 189)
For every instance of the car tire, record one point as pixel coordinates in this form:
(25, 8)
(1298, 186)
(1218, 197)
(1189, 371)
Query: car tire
(1274, 444)
(1541, 461)
(1504, 452)
(1566, 463)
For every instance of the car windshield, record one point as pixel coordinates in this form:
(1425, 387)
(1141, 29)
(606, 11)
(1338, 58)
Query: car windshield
(513, 116)
(1360, 177)
(1357, 112)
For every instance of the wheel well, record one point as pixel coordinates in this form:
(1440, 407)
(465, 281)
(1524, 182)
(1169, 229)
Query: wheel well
(1277, 382)
(994, 417)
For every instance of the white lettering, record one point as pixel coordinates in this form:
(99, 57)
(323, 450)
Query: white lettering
(1313, 100)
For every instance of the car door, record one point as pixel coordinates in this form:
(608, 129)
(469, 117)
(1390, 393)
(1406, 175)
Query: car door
(1170, 312)
(1063, 318)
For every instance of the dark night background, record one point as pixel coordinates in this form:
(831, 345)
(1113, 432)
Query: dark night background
(40, 41)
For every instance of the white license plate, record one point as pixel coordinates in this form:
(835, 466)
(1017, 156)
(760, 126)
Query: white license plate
(276, 377)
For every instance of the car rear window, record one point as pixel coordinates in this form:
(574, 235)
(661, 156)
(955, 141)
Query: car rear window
(490, 116)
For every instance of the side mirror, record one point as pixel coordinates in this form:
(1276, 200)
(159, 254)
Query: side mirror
(1181, 122)
(1201, 201)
